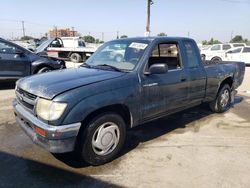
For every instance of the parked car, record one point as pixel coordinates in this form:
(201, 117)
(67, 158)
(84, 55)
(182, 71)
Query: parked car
(26, 44)
(215, 52)
(238, 54)
(17, 62)
(89, 109)
(67, 48)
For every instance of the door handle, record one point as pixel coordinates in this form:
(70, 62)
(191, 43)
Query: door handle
(183, 79)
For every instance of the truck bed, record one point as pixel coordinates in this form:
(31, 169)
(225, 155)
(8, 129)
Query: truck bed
(219, 71)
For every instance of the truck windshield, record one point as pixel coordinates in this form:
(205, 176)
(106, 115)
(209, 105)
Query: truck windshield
(121, 54)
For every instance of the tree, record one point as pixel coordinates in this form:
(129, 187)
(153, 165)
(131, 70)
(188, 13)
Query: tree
(239, 39)
(26, 38)
(211, 42)
(89, 39)
(162, 34)
(98, 41)
(124, 36)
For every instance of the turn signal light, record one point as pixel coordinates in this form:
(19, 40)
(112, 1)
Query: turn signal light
(40, 131)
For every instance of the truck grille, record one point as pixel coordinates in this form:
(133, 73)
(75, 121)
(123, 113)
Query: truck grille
(26, 99)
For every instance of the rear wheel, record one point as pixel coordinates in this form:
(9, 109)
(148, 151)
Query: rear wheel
(75, 57)
(203, 57)
(216, 59)
(43, 70)
(222, 101)
(102, 139)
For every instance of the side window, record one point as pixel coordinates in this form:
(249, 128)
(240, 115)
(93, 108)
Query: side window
(166, 53)
(81, 43)
(226, 47)
(192, 56)
(246, 50)
(7, 48)
(216, 48)
(236, 50)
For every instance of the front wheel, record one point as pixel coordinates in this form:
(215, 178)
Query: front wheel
(222, 101)
(102, 139)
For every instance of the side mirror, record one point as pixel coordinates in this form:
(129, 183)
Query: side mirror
(19, 52)
(159, 68)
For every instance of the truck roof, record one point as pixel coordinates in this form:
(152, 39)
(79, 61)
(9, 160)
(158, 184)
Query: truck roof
(156, 37)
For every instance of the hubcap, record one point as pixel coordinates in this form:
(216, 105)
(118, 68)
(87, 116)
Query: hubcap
(224, 98)
(105, 138)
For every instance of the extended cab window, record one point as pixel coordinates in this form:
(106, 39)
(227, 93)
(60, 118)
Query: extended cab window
(238, 50)
(6, 48)
(192, 56)
(216, 48)
(166, 53)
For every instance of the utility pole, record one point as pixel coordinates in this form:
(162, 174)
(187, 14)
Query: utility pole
(73, 31)
(232, 32)
(23, 28)
(188, 33)
(150, 2)
(102, 36)
(55, 29)
(117, 34)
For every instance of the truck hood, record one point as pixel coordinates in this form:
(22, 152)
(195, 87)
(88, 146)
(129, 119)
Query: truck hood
(49, 85)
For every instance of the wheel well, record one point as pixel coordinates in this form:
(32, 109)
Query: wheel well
(40, 67)
(120, 109)
(216, 57)
(228, 81)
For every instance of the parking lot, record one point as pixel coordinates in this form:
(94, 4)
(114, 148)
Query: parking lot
(194, 148)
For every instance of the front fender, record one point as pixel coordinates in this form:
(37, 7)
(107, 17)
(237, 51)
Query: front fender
(124, 96)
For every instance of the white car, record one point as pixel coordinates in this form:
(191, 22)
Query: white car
(216, 52)
(238, 54)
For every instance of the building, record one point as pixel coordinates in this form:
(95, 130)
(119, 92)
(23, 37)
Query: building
(62, 33)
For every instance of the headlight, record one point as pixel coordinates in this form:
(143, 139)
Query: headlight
(49, 110)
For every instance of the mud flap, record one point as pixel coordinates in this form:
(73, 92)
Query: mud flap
(233, 93)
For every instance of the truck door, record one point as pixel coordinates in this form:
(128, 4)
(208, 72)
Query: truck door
(197, 74)
(13, 61)
(162, 93)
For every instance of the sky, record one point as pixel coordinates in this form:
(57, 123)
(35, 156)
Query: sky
(199, 19)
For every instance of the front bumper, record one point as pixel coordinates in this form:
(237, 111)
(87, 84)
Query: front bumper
(57, 139)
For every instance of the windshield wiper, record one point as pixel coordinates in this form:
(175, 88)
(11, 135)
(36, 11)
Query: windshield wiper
(109, 66)
(86, 65)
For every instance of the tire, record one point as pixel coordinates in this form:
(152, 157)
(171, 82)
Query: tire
(216, 59)
(102, 139)
(203, 57)
(76, 58)
(223, 100)
(43, 70)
